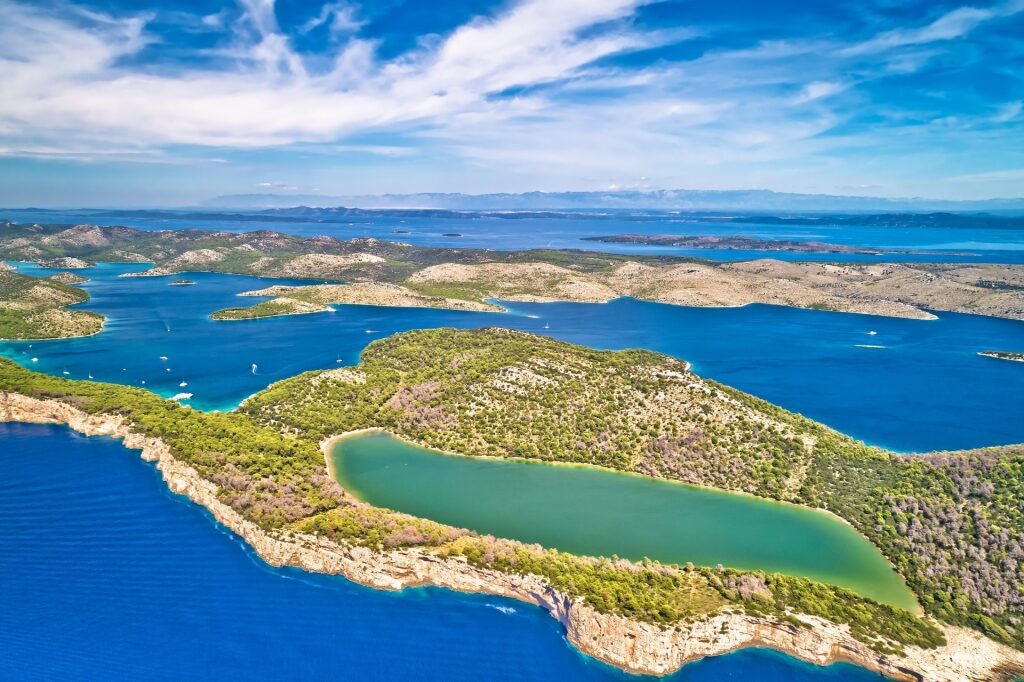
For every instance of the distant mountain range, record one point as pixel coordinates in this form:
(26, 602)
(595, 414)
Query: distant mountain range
(674, 199)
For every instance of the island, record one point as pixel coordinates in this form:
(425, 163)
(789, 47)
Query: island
(476, 275)
(1012, 356)
(65, 262)
(949, 523)
(298, 300)
(733, 243)
(38, 308)
(68, 278)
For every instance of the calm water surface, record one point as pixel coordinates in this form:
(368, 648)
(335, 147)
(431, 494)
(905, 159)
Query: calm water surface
(107, 575)
(949, 244)
(925, 388)
(595, 512)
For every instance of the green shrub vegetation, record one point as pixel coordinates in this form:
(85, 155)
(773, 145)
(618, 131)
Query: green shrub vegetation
(283, 306)
(951, 523)
(36, 308)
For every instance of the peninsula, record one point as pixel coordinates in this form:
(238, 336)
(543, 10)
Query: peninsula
(37, 308)
(498, 393)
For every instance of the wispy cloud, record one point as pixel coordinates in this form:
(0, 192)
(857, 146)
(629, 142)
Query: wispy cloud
(78, 91)
(1010, 111)
(540, 90)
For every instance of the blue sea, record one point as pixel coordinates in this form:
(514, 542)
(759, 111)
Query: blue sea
(945, 244)
(107, 574)
(913, 385)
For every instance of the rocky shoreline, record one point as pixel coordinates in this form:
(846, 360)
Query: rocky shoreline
(632, 646)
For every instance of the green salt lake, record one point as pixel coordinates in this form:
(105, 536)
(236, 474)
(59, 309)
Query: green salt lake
(592, 511)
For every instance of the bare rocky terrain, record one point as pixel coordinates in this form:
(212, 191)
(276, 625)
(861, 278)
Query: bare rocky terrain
(455, 278)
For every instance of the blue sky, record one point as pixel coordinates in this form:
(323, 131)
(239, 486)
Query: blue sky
(144, 102)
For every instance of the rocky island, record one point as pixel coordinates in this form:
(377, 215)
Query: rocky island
(292, 300)
(733, 243)
(497, 393)
(474, 275)
(1012, 356)
(37, 308)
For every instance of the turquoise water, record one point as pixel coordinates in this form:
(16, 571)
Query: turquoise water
(926, 389)
(83, 524)
(596, 512)
(107, 575)
(950, 244)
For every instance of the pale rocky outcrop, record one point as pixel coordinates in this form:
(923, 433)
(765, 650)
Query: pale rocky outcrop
(325, 264)
(633, 646)
(318, 297)
(894, 290)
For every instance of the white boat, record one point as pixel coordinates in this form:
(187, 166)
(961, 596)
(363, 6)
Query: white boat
(164, 358)
(183, 384)
(872, 332)
(35, 359)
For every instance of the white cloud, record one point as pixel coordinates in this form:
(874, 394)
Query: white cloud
(341, 19)
(954, 24)
(818, 90)
(1008, 112)
(730, 117)
(63, 82)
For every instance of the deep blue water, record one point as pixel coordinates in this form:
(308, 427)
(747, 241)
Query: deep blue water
(926, 389)
(983, 245)
(104, 573)
(107, 575)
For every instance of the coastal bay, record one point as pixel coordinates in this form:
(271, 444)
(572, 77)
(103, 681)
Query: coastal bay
(807, 361)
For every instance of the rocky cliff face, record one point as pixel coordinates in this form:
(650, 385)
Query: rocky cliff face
(633, 646)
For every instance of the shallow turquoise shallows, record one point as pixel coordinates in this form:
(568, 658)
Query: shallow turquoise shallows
(591, 511)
